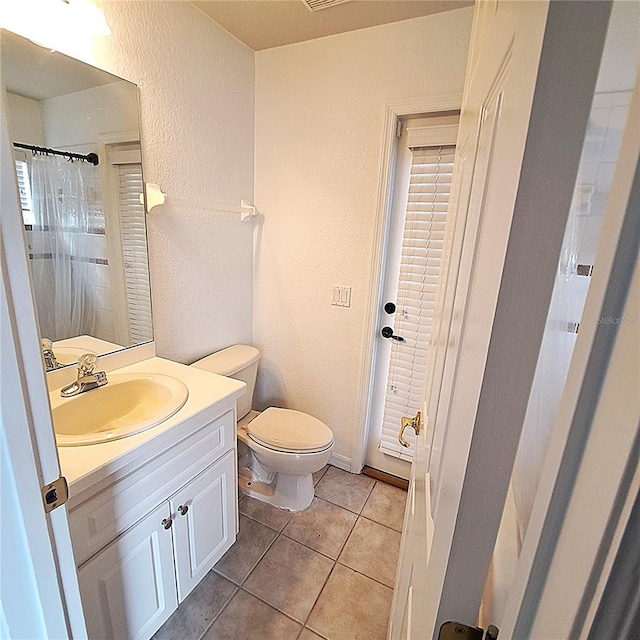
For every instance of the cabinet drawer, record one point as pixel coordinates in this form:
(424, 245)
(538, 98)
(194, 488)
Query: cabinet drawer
(99, 520)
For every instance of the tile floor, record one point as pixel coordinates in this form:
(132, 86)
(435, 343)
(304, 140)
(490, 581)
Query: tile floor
(325, 572)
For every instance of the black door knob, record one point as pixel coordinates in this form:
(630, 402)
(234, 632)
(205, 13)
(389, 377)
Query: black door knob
(387, 332)
(390, 308)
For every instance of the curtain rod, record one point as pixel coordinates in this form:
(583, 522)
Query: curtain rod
(91, 158)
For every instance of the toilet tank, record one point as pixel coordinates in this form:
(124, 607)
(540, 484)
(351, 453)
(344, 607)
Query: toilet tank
(239, 361)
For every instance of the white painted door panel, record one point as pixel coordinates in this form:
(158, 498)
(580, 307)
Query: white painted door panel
(129, 588)
(405, 621)
(204, 522)
(29, 443)
(509, 214)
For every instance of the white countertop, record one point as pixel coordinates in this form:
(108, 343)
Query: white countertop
(87, 465)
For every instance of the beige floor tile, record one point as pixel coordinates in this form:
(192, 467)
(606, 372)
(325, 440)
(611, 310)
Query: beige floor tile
(322, 526)
(372, 549)
(252, 541)
(347, 490)
(290, 577)
(265, 513)
(247, 618)
(386, 505)
(351, 607)
(307, 634)
(198, 610)
(317, 476)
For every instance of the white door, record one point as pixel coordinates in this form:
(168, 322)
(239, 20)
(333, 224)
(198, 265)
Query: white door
(414, 248)
(204, 526)
(511, 202)
(374, 457)
(38, 583)
(129, 588)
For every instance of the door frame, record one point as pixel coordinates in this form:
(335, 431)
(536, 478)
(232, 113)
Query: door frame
(393, 112)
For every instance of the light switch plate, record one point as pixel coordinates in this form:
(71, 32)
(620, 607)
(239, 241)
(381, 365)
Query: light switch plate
(341, 297)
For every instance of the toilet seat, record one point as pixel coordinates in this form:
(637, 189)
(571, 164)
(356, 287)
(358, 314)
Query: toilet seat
(290, 430)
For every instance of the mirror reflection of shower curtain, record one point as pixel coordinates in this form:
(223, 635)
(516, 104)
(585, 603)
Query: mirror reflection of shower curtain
(61, 245)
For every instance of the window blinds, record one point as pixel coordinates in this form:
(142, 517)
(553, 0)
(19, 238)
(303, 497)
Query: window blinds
(134, 250)
(24, 187)
(422, 244)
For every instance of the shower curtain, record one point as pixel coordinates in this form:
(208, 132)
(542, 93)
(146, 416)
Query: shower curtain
(61, 245)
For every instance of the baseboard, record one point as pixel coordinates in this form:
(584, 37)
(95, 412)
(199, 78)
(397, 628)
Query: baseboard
(342, 462)
(383, 476)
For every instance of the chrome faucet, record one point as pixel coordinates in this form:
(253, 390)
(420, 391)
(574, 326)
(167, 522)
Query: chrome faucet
(50, 362)
(86, 379)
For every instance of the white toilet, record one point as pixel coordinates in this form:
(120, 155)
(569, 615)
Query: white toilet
(278, 449)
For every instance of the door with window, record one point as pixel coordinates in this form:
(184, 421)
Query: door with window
(414, 249)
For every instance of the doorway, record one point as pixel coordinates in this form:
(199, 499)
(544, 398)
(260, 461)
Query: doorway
(420, 179)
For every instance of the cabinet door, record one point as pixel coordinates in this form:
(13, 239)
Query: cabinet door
(204, 522)
(129, 588)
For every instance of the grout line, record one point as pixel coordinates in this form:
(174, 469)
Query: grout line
(364, 575)
(259, 559)
(382, 524)
(304, 624)
(344, 544)
(278, 531)
(224, 606)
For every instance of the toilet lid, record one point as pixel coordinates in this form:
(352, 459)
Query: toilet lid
(290, 430)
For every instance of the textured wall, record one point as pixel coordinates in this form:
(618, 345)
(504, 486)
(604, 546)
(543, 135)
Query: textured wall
(197, 99)
(319, 123)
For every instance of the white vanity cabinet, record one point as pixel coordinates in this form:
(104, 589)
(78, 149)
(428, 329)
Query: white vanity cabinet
(144, 539)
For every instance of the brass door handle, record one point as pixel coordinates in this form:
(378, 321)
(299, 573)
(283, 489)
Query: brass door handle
(415, 423)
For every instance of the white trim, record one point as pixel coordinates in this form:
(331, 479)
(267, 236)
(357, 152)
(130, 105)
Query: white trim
(342, 462)
(393, 111)
(432, 136)
(122, 137)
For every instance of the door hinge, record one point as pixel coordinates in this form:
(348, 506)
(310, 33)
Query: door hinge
(459, 631)
(55, 494)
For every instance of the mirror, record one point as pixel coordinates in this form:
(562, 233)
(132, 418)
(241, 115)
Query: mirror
(79, 169)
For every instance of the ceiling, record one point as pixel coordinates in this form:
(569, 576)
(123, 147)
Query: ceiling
(35, 72)
(263, 24)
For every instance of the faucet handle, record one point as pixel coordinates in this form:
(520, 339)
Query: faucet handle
(86, 364)
(46, 344)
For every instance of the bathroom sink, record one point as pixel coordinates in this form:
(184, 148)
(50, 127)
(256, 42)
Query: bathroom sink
(69, 355)
(126, 405)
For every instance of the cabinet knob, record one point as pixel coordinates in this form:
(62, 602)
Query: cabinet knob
(183, 508)
(166, 523)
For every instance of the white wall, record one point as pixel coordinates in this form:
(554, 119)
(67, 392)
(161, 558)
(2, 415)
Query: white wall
(319, 123)
(25, 119)
(80, 118)
(197, 101)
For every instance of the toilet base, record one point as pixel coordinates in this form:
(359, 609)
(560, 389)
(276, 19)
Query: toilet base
(289, 492)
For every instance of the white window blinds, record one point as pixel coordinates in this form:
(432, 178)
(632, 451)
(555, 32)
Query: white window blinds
(422, 244)
(22, 172)
(134, 249)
